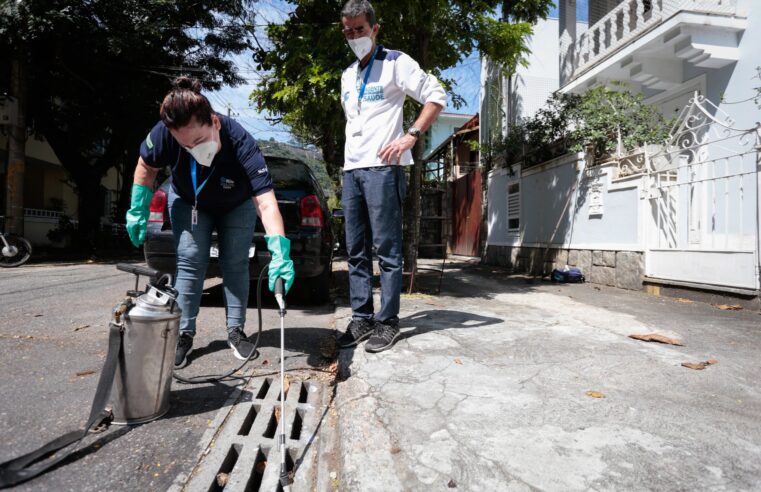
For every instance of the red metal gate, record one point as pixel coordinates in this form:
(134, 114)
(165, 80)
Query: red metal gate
(466, 214)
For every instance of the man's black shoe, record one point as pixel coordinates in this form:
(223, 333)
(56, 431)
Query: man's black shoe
(237, 341)
(357, 331)
(383, 337)
(184, 344)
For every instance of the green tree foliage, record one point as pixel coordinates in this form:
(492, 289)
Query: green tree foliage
(98, 69)
(305, 56)
(593, 120)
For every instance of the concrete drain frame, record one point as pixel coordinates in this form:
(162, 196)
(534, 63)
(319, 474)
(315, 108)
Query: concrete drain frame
(246, 451)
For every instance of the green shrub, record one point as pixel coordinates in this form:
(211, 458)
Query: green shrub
(591, 121)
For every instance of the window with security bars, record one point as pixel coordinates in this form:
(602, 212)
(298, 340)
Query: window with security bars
(513, 207)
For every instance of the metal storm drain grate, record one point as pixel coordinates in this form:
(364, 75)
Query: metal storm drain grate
(245, 455)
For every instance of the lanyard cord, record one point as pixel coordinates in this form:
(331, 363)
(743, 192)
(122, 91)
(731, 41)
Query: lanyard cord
(197, 189)
(367, 76)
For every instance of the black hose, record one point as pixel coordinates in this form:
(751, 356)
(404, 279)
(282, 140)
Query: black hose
(215, 378)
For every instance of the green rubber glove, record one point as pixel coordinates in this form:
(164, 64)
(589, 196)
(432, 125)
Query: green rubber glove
(280, 264)
(137, 215)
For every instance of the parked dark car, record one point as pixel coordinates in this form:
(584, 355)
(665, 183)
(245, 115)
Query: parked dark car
(306, 217)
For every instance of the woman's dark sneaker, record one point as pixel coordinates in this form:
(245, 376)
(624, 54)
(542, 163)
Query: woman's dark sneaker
(357, 331)
(237, 341)
(383, 337)
(184, 344)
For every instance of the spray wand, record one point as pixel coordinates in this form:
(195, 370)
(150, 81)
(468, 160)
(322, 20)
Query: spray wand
(280, 298)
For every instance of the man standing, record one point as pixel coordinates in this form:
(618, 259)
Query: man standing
(373, 90)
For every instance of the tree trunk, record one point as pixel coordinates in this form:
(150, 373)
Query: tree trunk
(87, 178)
(16, 152)
(414, 188)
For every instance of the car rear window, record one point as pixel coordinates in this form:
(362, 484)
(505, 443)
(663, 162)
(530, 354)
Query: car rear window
(287, 173)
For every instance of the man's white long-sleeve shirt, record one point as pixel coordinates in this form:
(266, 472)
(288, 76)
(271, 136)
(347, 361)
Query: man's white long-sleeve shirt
(394, 75)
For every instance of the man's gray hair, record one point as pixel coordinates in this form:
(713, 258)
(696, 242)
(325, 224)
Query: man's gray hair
(355, 8)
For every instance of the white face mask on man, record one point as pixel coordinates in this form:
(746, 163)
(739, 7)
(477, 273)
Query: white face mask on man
(204, 152)
(361, 46)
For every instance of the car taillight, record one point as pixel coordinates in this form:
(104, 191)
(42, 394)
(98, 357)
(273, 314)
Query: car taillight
(158, 204)
(311, 212)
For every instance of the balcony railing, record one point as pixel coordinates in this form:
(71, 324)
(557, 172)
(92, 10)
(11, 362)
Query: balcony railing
(622, 25)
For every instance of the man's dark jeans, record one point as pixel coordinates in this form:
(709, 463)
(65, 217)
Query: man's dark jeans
(372, 201)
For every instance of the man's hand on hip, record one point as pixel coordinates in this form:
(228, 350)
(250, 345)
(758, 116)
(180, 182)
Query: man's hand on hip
(392, 152)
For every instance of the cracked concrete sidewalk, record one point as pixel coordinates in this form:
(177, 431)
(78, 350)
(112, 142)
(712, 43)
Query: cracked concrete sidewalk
(487, 390)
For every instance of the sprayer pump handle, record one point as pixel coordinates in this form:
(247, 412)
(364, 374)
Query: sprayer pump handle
(138, 270)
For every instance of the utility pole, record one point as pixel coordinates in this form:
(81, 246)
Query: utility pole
(14, 191)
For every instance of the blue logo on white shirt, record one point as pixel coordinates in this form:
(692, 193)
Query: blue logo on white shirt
(374, 92)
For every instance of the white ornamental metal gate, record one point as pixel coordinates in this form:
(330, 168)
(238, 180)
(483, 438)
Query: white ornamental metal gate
(702, 189)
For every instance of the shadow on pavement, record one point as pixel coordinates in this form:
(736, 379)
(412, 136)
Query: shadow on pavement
(442, 319)
(214, 297)
(421, 322)
(187, 399)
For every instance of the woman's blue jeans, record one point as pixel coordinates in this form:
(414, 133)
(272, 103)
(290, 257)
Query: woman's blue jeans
(235, 230)
(372, 200)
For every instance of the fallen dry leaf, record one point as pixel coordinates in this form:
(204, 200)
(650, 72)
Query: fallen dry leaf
(265, 362)
(85, 373)
(277, 414)
(222, 479)
(452, 484)
(82, 327)
(728, 307)
(458, 361)
(395, 450)
(259, 467)
(595, 394)
(654, 337)
(699, 366)
(286, 385)
(682, 299)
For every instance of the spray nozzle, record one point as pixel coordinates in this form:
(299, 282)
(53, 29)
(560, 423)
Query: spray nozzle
(280, 293)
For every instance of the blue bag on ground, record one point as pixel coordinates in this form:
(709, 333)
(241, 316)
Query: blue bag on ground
(568, 275)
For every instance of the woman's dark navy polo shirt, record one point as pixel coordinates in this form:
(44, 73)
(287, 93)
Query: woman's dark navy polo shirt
(237, 173)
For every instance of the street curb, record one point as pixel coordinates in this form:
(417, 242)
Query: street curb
(329, 443)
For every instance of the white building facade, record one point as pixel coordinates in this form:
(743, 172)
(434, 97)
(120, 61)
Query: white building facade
(682, 213)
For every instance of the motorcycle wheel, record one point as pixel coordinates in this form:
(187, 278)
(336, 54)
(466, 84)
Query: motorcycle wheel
(21, 256)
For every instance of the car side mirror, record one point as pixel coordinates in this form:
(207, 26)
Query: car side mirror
(337, 213)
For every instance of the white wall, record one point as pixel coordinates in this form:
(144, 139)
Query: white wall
(544, 197)
(532, 85)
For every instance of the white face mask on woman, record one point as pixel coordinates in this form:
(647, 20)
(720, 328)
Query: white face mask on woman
(361, 46)
(204, 152)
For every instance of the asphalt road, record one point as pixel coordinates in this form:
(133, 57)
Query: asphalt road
(53, 325)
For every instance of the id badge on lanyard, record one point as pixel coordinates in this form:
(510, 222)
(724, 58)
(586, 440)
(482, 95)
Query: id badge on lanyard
(355, 126)
(197, 189)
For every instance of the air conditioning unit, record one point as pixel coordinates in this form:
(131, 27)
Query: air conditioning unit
(8, 107)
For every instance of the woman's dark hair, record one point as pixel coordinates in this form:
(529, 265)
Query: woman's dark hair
(183, 102)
